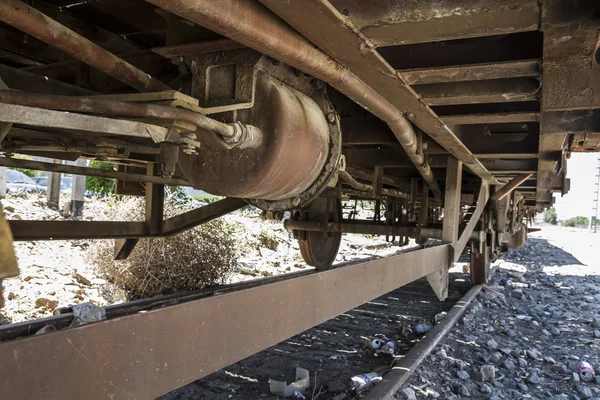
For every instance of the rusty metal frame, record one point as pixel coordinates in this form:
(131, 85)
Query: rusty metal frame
(44, 28)
(75, 230)
(147, 354)
(466, 234)
(235, 20)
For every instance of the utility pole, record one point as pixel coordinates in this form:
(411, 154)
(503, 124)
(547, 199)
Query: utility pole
(594, 219)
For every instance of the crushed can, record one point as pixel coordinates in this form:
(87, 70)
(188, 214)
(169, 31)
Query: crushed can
(422, 328)
(364, 382)
(374, 343)
(439, 317)
(585, 371)
(389, 347)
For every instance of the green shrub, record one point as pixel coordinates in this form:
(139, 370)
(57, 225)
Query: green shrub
(28, 172)
(551, 216)
(97, 185)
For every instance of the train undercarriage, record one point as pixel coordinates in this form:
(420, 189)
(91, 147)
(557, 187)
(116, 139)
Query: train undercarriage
(455, 119)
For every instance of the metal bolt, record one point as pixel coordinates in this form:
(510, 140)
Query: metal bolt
(296, 201)
(410, 115)
(328, 167)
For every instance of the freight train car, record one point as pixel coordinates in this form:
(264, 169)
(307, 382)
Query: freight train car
(455, 118)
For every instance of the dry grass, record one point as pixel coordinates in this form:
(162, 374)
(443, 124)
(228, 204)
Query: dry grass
(193, 259)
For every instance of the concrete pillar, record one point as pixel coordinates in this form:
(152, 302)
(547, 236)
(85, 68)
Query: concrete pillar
(2, 182)
(78, 190)
(53, 191)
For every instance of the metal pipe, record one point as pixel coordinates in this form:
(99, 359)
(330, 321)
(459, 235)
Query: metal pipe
(510, 186)
(129, 109)
(40, 26)
(369, 188)
(249, 23)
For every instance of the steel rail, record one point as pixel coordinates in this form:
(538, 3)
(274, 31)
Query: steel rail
(147, 354)
(29, 20)
(406, 366)
(249, 23)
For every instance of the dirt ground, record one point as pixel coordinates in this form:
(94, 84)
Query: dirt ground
(527, 331)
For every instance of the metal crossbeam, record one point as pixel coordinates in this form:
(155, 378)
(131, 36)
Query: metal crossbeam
(145, 355)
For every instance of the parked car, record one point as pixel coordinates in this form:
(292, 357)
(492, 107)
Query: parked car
(66, 183)
(16, 181)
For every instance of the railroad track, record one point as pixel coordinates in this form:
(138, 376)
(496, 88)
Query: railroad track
(334, 351)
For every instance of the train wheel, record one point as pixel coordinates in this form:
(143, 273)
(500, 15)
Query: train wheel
(319, 249)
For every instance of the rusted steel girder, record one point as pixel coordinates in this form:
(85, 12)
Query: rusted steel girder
(250, 24)
(236, 134)
(144, 355)
(510, 186)
(40, 26)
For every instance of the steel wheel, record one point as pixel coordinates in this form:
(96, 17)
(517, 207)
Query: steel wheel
(319, 249)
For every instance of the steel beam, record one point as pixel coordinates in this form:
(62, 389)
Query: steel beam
(40, 26)
(75, 230)
(500, 118)
(333, 32)
(510, 186)
(40, 117)
(439, 279)
(472, 72)
(125, 359)
(494, 91)
(201, 215)
(466, 234)
(401, 22)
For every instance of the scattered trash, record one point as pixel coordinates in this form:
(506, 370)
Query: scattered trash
(381, 345)
(247, 268)
(585, 371)
(506, 282)
(365, 382)
(439, 317)
(80, 278)
(86, 313)
(294, 389)
(374, 343)
(389, 347)
(407, 331)
(423, 328)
